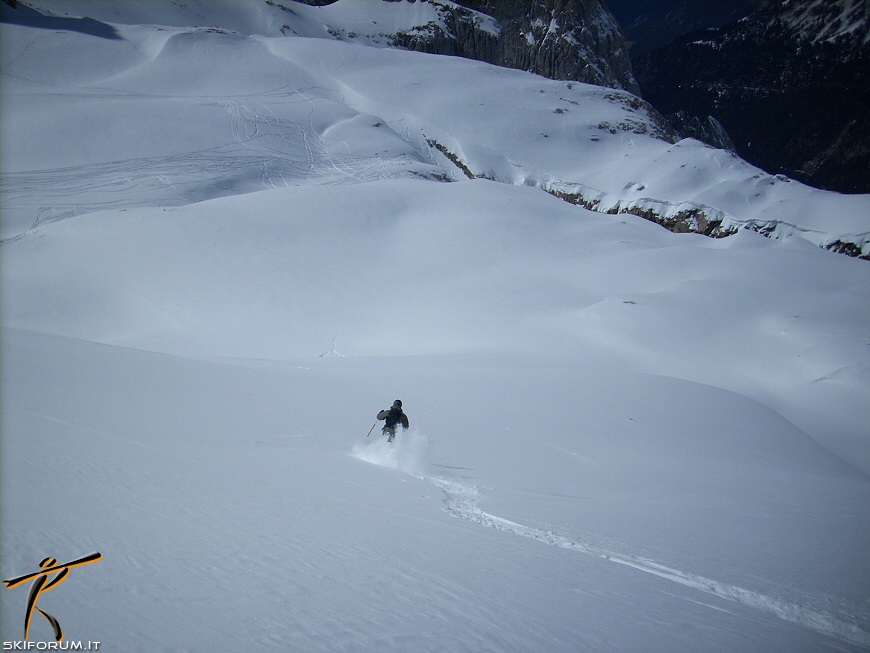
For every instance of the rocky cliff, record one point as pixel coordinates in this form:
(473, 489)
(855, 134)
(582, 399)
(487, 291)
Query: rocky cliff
(651, 25)
(560, 39)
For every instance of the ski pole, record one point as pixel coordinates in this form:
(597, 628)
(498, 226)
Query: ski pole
(371, 429)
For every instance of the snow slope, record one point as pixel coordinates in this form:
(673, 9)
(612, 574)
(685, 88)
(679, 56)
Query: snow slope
(573, 138)
(622, 439)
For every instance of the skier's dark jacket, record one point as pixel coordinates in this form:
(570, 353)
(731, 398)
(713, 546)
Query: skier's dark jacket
(393, 416)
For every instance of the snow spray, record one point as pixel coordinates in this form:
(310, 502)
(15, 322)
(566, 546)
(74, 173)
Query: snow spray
(408, 453)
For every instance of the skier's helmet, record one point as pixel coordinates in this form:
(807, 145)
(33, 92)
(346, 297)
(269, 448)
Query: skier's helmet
(397, 403)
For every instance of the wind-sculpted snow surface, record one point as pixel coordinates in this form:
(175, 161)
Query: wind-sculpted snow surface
(190, 368)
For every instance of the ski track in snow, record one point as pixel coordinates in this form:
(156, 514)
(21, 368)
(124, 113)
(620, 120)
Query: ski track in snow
(53, 195)
(463, 501)
(262, 151)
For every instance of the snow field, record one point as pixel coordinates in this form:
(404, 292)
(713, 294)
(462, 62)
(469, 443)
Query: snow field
(222, 254)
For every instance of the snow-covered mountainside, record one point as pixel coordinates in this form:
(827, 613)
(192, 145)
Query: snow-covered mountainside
(598, 147)
(788, 83)
(226, 248)
(577, 40)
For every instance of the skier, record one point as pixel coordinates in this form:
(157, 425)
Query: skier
(393, 416)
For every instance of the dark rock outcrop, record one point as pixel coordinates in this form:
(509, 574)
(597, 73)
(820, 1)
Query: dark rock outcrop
(651, 25)
(561, 39)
